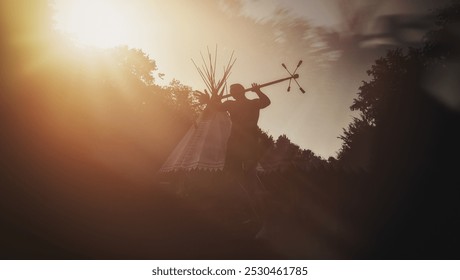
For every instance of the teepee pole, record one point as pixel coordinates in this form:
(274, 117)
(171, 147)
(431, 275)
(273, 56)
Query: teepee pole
(208, 72)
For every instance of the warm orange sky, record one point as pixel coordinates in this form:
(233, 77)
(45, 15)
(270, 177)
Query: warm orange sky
(174, 32)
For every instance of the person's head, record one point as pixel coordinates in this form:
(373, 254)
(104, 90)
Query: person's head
(237, 91)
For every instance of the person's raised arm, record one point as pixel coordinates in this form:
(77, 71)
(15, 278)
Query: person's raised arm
(263, 98)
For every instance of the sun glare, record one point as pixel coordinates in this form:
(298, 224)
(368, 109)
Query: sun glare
(97, 23)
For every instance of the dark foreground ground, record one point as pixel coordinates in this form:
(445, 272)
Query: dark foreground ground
(74, 208)
(73, 216)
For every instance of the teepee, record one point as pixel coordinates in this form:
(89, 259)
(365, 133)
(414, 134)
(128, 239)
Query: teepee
(204, 145)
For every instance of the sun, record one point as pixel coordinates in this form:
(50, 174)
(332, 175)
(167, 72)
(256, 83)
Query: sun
(96, 23)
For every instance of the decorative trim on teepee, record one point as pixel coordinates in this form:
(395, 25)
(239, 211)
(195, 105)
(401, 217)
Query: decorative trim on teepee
(203, 146)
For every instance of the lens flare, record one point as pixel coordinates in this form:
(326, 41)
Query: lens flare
(100, 23)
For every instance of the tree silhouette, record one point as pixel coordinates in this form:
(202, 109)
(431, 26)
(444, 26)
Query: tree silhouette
(409, 126)
(355, 150)
(135, 62)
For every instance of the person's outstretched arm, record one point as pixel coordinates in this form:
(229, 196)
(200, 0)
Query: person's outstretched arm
(263, 98)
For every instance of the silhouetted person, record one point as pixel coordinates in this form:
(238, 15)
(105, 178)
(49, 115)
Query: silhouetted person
(242, 145)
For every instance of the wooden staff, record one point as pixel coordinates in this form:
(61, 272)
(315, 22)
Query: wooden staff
(295, 76)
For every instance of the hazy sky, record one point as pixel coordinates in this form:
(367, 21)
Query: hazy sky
(325, 34)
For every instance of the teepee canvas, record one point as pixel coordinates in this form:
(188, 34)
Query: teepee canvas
(204, 145)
